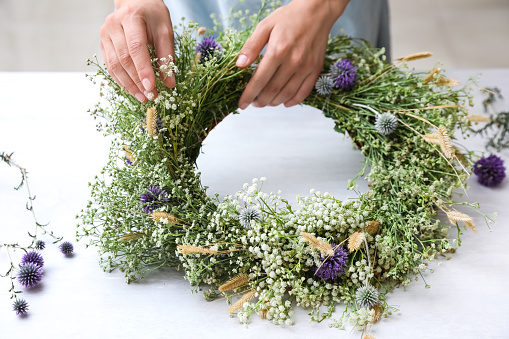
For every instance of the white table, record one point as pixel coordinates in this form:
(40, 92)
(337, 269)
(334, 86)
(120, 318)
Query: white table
(43, 120)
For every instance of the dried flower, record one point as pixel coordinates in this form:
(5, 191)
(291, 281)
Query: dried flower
(366, 296)
(368, 336)
(415, 56)
(245, 298)
(334, 265)
(431, 75)
(386, 123)
(455, 216)
(478, 118)
(202, 30)
(373, 227)
(20, 306)
(129, 158)
(162, 216)
(40, 245)
(445, 142)
(66, 248)
(355, 240)
(378, 313)
(151, 120)
(188, 249)
(324, 247)
(208, 49)
(249, 214)
(237, 281)
(490, 171)
(345, 74)
(32, 257)
(324, 85)
(154, 199)
(443, 81)
(132, 236)
(432, 138)
(29, 275)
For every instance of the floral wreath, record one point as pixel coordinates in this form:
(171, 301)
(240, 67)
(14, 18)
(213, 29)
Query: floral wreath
(151, 210)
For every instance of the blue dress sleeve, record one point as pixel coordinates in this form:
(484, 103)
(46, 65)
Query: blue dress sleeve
(367, 19)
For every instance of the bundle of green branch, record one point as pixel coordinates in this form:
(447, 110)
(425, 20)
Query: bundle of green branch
(149, 209)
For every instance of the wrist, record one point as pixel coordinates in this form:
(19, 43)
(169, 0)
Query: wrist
(328, 10)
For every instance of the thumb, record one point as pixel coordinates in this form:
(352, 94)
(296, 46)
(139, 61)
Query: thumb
(254, 45)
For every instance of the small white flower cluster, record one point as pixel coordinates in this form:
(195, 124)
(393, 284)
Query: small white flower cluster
(360, 318)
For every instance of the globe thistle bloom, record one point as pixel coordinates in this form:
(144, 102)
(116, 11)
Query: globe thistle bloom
(386, 123)
(40, 245)
(324, 85)
(334, 265)
(20, 306)
(153, 199)
(29, 275)
(249, 214)
(66, 248)
(490, 171)
(208, 48)
(345, 74)
(366, 296)
(33, 257)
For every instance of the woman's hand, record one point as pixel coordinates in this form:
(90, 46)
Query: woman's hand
(296, 36)
(124, 39)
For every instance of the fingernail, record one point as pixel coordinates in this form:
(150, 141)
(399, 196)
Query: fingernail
(147, 84)
(242, 60)
(139, 97)
(243, 106)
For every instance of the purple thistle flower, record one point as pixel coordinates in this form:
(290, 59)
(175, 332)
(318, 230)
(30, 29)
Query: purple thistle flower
(490, 171)
(153, 200)
(20, 306)
(128, 162)
(29, 275)
(208, 48)
(344, 73)
(66, 248)
(32, 257)
(40, 245)
(333, 266)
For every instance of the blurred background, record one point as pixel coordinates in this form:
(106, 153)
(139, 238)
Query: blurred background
(59, 35)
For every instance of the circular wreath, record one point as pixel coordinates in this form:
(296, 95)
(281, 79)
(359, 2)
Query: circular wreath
(150, 209)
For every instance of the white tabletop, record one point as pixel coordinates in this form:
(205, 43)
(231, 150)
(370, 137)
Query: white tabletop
(44, 121)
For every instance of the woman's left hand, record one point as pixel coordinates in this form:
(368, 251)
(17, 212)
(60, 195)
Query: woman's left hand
(296, 36)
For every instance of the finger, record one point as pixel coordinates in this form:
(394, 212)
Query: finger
(122, 51)
(290, 89)
(283, 85)
(164, 46)
(106, 61)
(116, 68)
(273, 87)
(136, 39)
(303, 92)
(255, 44)
(260, 79)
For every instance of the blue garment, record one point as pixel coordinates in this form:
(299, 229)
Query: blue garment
(367, 19)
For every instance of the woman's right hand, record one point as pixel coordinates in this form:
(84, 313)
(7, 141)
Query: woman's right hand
(124, 38)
